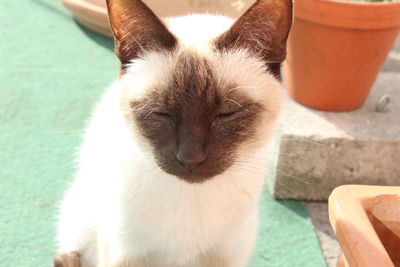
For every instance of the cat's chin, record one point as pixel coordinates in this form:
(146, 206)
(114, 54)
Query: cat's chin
(196, 178)
(198, 175)
(206, 171)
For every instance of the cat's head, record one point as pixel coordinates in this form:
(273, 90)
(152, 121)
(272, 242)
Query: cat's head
(200, 91)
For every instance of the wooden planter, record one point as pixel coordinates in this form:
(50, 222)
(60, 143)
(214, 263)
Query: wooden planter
(366, 221)
(93, 13)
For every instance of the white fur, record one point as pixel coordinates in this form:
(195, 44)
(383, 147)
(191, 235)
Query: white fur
(121, 198)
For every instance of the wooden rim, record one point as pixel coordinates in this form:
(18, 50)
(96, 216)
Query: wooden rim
(92, 14)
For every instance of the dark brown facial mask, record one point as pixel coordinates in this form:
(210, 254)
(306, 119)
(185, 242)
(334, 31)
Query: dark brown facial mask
(193, 128)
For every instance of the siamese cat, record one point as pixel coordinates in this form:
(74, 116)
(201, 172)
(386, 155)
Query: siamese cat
(172, 163)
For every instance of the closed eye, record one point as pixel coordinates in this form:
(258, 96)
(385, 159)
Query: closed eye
(162, 114)
(225, 115)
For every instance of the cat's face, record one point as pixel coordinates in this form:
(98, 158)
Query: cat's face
(198, 116)
(198, 109)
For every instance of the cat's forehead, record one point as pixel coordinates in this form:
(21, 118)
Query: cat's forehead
(193, 77)
(186, 73)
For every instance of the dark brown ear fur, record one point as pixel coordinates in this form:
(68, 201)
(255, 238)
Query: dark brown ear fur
(136, 29)
(263, 30)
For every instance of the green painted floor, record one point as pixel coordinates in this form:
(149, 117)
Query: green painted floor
(52, 71)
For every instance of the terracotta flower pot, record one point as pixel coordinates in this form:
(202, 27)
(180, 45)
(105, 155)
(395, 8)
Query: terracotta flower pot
(336, 49)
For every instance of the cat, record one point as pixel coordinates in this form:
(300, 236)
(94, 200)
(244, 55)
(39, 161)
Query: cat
(172, 163)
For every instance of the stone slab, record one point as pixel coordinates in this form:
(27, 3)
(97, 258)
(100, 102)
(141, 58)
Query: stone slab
(318, 151)
(393, 60)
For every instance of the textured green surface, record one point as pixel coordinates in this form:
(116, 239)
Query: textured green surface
(51, 74)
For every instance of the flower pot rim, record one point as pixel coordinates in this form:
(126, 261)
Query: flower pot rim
(349, 14)
(362, 3)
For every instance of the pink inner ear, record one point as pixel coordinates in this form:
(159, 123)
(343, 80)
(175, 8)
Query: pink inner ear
(137, 29)
(263, 30)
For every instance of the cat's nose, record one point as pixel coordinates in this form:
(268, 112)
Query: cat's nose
(191, 159)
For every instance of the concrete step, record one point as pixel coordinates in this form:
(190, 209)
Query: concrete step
(318, 151)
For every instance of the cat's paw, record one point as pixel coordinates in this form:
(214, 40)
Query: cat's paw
(70, 259)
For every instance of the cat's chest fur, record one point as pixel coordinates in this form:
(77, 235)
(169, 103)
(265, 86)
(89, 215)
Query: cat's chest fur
(187, 221)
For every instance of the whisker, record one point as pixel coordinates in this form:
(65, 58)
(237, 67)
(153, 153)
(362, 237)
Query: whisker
(301, 179)
(66, 131)
(285, 186)
(233, 101)
(304, 141)
(242, 86)
(149, 113)
(283, 199)
(130, 35)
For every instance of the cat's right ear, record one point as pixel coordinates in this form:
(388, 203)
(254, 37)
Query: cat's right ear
(136, 30)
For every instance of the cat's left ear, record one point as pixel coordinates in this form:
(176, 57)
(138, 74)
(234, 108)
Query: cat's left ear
(263, 30)
(136, 29)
